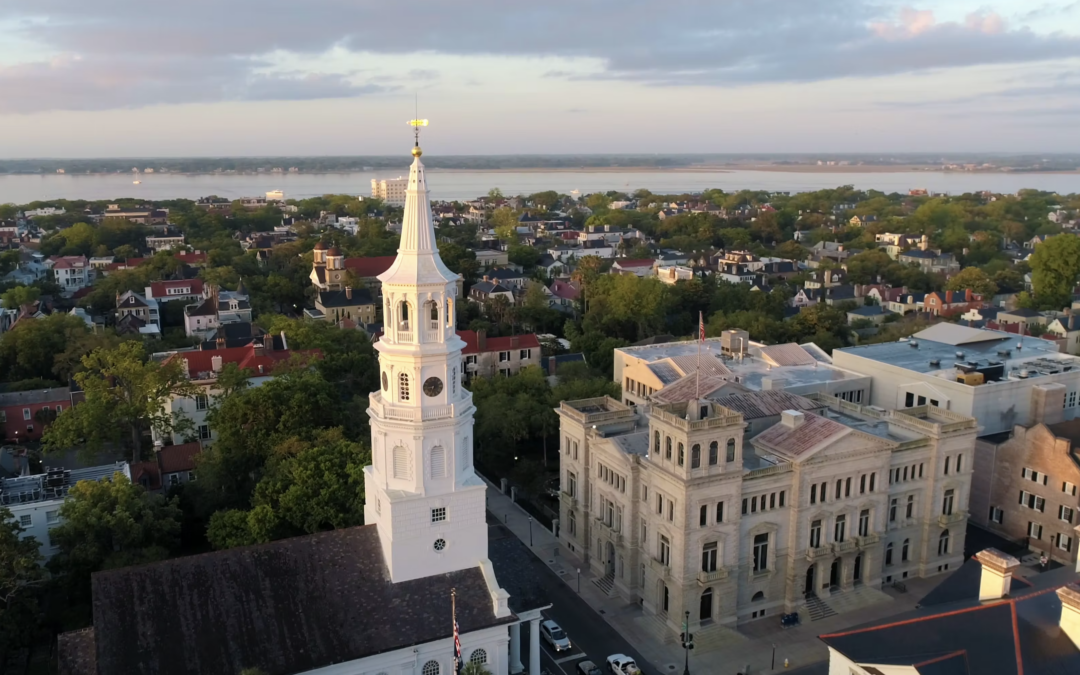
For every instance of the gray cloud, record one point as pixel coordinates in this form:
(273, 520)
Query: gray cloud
(676, 42)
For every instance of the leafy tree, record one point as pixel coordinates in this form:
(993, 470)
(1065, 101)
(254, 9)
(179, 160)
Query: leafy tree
(20, 574)
(1055, 265)
(973, 278)
(16, 297)
(125, 395)
(30, 349)
(495, 193)
(505, 222)
(546, 200)
(109, 524)
(525, 256)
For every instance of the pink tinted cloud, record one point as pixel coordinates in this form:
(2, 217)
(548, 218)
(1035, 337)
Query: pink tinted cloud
(912, 23)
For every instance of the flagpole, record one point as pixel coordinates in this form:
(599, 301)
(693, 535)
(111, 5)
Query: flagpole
(701, 338)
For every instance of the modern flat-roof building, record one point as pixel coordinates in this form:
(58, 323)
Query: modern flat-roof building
(681, 506)
(989, 375)
(733, 359)
(35, 501)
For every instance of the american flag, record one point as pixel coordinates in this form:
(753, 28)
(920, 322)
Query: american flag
(701, 326)
(458, 665)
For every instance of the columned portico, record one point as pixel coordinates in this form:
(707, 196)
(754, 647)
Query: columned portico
(515, 649)
(534, 647)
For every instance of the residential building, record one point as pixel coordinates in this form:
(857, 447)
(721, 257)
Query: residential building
(484, 356)
(675, 506)
(875, 314)
(165, 242)
(639, 267)
(951, 303)
(143, 216)
(1025, 486)
(985, 374)
(645, 371)
(71, 272)
(564, 295)
(35, 501)
(172, 466)
(1028, 318)
(485, 290)
(673, 274)
(24, 414)
(185, 290)
(144, 312)
(490, 257)
(507, 277)
(390, 191)
(352, 304)
(1067, 329)
(931, 262)
(984, 618)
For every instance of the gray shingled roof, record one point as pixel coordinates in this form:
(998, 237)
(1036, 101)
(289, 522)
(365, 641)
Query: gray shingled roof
(285, 607)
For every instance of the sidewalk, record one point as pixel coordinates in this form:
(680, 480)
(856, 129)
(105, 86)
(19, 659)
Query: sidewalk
(722, 651)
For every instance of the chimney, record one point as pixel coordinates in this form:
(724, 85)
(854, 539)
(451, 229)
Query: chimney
(185, 365)
(348, 292)
(1048, 403)
(1070, 612)
(220, 342)
(515, 341)
(284, 342)
(481, 340)
(792, 419)
(997, 571)
(215, 363)
(828, 277)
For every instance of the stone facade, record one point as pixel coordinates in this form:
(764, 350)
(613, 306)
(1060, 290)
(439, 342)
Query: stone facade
(682, 512)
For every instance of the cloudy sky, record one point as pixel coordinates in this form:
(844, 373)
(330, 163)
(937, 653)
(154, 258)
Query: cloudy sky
(85, 78)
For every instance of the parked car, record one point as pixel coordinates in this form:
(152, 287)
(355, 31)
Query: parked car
(588, 668)
(621, 664)
(554, 636)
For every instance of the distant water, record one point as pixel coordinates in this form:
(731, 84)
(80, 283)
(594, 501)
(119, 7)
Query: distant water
(470, 184)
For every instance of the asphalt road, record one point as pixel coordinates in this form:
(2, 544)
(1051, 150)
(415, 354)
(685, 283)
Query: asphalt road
(591, 637)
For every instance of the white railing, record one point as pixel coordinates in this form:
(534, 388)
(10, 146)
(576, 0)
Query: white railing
(432, 336)
(404, 337)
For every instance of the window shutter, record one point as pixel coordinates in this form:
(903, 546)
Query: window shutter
(401, 462)
(438, 462)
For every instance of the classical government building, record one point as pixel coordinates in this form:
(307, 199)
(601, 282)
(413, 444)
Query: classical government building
(370, 600)
(761, 503)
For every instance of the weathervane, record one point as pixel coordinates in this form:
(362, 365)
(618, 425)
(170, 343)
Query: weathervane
(416, 124)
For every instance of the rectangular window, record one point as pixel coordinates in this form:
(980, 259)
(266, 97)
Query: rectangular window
(840, 529)
(703, 517)
(52, 517)
(1034, 530)
(26, 413)
(947, 503)
(665, 550)
(202, 402)
(26, 520)
(204, 431)
(761, 552)
(1068, 488)
(996, 515)
(708, 557)
(504, 357)
(438, 514)
(731, 451)
(839, 486)
(745, 506)
(671, 511)
(920, 470)
(864, 522)
(659, 505)
(525, 354)
(813, 493)
(1064, 542)
(720, 512)
(571, 484)
(922, 400)
(174, 479)
(815, 534)
(873, 480)
(847, 487)
(947, 465)
(753, 504)
(862, 484)
(959, 460)
(1040, 505)
(1065, 513)
(909, 400)
(644, 493)
(892, 510)
(783, 493)
(575, 450)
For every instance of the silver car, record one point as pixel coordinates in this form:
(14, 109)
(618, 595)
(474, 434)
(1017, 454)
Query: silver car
(554, 636)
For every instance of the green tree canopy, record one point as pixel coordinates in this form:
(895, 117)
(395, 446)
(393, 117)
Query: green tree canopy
(20, 574)
(973, 278)
(1055, 265)
(16, 297)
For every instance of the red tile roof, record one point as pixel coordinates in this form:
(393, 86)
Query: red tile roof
(68, 261)
(565, 290)
(174, 458)
(251, 357)
(150, 470)
(159, 289)
(498, 344)
(370, 267)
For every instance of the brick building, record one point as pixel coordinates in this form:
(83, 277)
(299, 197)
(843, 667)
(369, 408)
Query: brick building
(20, 411)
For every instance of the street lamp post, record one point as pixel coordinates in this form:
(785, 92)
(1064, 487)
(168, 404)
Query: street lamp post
(687, 643)
(579, 580)
(773, 667)
(530, 531)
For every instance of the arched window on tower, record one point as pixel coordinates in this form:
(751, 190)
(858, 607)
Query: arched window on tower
(433, 315)
(403, 386)
(438, 462)
(403, 315)
(401, 462)
(449, 312)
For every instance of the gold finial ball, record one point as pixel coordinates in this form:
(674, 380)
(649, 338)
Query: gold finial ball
(416, 151)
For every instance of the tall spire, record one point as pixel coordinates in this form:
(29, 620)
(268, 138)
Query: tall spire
(418, 245)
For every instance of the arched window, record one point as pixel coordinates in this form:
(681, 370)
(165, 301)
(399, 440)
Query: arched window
(682, 454)
(695, 456)
(449, 313)
(403, 315)
(667, 448)
(438, 462)
(431, 668)
(888, 553)
(401, 462)
(656, 442)
(433, 315)
(904, 550)
(403, 386)
(758, 597)
(730, 450)
(714, 453)
(478, 656)
(943, 543)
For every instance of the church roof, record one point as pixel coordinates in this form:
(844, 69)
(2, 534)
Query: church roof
(285, 607)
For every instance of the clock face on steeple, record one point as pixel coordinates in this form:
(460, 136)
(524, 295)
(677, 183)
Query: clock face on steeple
(432, 386)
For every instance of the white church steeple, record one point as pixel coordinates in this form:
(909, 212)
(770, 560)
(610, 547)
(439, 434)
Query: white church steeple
(421, 490)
